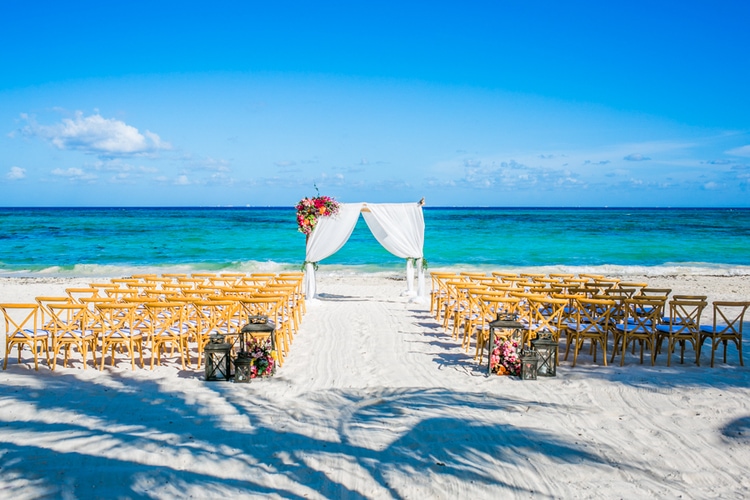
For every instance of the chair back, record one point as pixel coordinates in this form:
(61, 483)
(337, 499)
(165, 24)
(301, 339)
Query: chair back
(643, 314)
(729, 317)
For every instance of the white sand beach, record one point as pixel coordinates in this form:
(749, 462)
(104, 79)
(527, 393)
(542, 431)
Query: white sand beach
(376, 400)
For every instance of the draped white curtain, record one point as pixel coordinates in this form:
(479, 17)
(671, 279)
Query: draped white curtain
(399, 227)
(327, 238)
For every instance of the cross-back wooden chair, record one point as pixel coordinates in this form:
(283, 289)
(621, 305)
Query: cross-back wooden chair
(439, 293)
(121, 329)
(213, 317)
(70, 328)
(22, 328)
(167, 327)
(546, 314)
(593, 322)
(728, 317)
(271, 306)
(81, 292)
(682, 326)
(493, 306)
(642, 315)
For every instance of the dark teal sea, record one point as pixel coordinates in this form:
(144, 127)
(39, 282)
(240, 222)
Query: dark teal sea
(119, 241)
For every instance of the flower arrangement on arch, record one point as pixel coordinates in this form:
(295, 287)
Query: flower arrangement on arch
(310, 209)
(505, 358)
(263, 361)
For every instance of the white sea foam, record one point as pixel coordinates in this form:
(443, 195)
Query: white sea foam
(251, 266)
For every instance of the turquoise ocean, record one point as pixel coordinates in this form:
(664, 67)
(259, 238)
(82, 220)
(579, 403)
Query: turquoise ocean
(120, 241)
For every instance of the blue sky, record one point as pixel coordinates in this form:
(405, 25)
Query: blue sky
(519, 103)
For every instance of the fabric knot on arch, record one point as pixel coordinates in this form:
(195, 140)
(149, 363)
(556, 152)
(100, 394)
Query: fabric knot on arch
(398, 227)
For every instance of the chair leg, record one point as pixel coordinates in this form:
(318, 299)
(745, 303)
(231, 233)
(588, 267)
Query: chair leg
(739, 350)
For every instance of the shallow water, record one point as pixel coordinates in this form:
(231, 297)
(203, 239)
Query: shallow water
(117, 241)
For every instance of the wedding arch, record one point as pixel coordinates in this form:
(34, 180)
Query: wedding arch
(398, 227)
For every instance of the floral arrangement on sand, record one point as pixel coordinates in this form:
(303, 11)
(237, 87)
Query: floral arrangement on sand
(261, 352)
(310, 209)
(505, 358)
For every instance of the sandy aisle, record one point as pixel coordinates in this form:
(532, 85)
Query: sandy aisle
(377, 401)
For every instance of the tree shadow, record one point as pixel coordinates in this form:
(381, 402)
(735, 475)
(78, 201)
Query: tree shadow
(737, 430)
(128, 436)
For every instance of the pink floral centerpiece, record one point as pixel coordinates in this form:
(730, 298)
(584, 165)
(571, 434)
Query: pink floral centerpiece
(310, 209)
(263, 362)
(505, 358)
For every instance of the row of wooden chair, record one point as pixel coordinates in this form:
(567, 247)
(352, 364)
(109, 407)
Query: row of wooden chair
(581, 308)
(167, 312)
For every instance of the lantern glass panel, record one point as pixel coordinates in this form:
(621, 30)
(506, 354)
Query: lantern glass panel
(529, 360)
(546, 349)
(217, 360)
(242, 369)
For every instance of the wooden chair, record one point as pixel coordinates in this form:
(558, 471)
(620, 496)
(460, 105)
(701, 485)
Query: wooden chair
(77, 293)
(727, 326)
(515, 281)
(167, 327)
(469, 274)
(598, 287)
(452, 303)
(298, 280)
(203, 276)
(271, 306)
(546, 314)
(473, 314)
(642, 315)
(492, 306)
(22, 327)
(654, 292)
(70, 328)
(637, 285)
(439, 293)
(591, 277)
(119, 294)
(464, 307)
(503, 274)
(561, 276)
(593, 323)
(682, 326)
(212, 317)
(44, 303)
(174, 276)
(121, 329)
(292, 305)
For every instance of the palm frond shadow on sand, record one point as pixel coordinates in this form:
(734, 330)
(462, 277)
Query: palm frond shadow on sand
(137, 438)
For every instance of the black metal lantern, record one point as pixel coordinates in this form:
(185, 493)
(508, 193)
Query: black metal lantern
(217, 358)
(243, 365)
(546, 349)
(529, 361)
(504, 322)
(258, 327)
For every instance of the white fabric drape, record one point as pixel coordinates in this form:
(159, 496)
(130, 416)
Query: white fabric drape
(399, 227)
(327, 238)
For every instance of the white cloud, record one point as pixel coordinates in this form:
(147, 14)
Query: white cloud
(74, 174)
(285, 163)
(95, 134)
(16, 173)
(210, 164)
(182, 180)
(741, 151)
(636, 157)
(71, 172)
